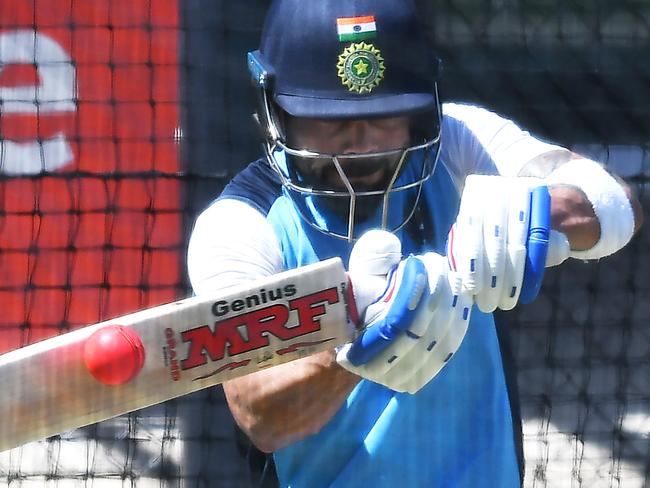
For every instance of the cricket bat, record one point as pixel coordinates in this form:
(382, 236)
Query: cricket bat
(147, 357)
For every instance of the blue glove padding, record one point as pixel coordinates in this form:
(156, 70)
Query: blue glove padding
(399, 306)
(416, 325)
(539, 230)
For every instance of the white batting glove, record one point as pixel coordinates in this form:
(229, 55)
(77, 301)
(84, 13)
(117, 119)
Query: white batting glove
(495, 238)
(417, 323)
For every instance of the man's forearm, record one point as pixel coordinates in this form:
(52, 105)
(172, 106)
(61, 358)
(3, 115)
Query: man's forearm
(286, 403)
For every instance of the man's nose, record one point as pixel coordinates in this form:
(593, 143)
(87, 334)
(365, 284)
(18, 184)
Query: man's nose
(360, 138)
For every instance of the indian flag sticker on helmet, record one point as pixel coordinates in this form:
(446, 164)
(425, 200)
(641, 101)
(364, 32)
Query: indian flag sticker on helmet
(361, 67)
(353, 29)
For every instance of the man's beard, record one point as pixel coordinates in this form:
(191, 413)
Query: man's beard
(365, 207)
(364, 175)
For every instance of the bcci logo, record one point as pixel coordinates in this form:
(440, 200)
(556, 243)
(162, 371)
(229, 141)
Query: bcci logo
(361, 67)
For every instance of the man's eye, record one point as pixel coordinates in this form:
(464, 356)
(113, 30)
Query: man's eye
(389, 123)
(335, 127)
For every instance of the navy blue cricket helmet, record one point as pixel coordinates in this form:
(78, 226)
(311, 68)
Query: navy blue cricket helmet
(347, 59)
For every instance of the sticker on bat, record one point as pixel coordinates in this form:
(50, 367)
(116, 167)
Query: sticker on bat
(250, 331)
(171, 358)
(223, 307)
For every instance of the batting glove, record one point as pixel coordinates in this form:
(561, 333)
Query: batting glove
(499, 243)
(418, 322)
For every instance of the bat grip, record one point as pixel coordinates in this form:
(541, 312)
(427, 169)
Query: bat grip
(537, 244)
(353, 311)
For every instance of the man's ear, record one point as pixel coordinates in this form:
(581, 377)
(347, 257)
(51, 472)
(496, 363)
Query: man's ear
(260, 128)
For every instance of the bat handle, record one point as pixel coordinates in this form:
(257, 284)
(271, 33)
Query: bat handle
(537, 244)
(353, 311)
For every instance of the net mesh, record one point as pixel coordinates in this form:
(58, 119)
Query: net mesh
(120, 120)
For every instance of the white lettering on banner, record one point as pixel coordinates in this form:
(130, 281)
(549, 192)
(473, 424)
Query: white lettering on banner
(30, 158)
(55, 93)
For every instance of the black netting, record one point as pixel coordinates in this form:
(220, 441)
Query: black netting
(120, 120)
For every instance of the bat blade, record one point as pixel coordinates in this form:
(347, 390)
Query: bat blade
(189, 345)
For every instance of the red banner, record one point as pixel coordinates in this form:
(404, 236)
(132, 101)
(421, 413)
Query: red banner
(90, 213)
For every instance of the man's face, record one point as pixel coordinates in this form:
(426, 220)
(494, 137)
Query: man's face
(350, 137)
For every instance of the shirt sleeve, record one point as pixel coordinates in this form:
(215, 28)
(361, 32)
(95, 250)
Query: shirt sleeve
(482, 142)
(232, 243)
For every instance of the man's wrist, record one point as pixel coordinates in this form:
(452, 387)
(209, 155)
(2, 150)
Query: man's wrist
(608, 199)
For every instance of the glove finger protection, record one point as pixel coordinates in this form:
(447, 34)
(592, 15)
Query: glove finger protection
(517, 234)
(387, 336)
(440, 340)
(414, 327)
(465, 242)
(495, 241)
(374, 255)
(488, 245)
